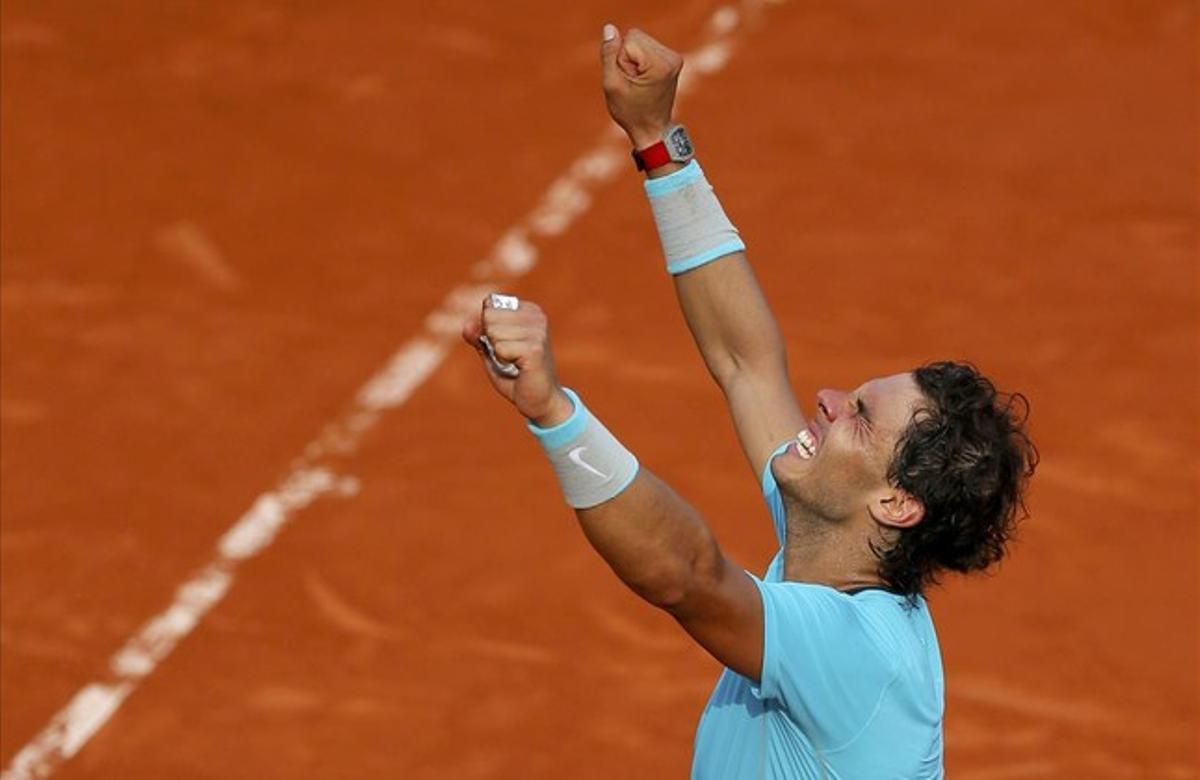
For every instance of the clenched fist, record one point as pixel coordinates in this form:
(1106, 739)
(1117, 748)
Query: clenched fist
(521, 336)
(640, 76)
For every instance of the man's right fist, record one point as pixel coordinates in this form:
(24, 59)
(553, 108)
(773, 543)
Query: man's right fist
(640, 75)
(520, 334)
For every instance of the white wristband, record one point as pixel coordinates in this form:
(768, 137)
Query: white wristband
(692, 226)
(591, 465)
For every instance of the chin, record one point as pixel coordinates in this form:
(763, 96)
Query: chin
(804, 487)
(796, 479)
(788, 465)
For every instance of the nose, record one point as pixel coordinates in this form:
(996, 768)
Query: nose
(832, 404)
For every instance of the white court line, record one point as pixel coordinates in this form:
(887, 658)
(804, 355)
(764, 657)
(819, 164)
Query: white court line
(310, 475)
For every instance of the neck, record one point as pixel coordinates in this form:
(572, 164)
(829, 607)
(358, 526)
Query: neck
(836, 554)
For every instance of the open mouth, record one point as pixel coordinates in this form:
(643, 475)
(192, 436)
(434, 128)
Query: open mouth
(806, 444)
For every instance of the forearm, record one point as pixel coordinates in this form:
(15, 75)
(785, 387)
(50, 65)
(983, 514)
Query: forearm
(730, 320)
(654, 541)
(726, 311)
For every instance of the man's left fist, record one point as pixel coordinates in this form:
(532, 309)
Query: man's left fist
(640, 76)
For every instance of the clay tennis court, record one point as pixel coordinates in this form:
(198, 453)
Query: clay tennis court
(262, 517)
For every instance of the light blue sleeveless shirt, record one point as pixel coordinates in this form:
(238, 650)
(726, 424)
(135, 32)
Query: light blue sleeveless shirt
(851, 686)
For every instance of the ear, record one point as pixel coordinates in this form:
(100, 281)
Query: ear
(897, 509)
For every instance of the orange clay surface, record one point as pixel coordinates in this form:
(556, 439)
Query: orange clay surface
(219, 219)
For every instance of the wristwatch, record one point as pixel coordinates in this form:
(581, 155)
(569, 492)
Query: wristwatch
(675, 146)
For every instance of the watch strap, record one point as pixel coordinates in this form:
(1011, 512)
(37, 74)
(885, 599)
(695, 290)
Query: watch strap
(654, 156)
(674, 146)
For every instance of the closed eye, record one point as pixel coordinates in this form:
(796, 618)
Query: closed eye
(861, 412)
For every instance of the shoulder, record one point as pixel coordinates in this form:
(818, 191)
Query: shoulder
(893, 630)
(894, 620)
(828, 657)
(830, 615)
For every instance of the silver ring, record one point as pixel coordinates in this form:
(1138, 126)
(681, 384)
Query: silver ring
(502, 368)
(510, 302)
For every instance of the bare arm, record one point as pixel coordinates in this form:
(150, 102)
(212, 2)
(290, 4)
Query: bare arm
(740, 341)
(729, 318)
(651, 538)
(662, 549)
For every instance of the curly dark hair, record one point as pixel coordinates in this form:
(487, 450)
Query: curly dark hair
(967, 457)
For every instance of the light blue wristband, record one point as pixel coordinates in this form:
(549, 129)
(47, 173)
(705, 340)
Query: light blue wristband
(591, 465)
(566, 431)
(692, 226)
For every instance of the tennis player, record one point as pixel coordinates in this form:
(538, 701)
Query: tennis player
(832, 667)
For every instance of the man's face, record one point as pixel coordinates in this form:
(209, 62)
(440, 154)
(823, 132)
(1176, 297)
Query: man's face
(852, 439)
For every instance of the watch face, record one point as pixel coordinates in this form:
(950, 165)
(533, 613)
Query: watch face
(679, 144)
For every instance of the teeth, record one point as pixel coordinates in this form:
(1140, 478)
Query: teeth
(807, 444)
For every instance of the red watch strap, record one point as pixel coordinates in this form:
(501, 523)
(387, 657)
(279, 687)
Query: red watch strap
(653, 156)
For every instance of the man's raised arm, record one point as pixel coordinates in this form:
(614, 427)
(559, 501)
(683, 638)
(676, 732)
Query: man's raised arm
(724, 307)
(651, 538)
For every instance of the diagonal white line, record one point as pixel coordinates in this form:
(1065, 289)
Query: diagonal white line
(311, 475)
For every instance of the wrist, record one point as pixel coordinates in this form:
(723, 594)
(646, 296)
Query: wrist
(692, 226)
(646, 136)
(664, 170)
(558, 410)
(672, 146)
(592, 466)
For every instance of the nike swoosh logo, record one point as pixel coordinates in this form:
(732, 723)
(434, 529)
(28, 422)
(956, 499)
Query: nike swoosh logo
(576, 456)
